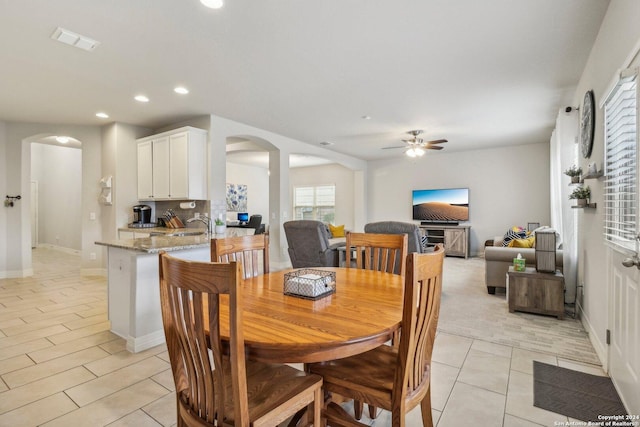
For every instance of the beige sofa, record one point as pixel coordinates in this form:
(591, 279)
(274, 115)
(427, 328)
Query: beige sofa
(498, 259)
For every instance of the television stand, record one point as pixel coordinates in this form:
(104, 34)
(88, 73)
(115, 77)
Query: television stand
(455, 238)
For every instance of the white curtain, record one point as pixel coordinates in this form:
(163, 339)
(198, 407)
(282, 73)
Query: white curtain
(563, 154)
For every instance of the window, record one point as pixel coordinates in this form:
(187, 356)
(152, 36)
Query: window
(317, 203)
(621, 148)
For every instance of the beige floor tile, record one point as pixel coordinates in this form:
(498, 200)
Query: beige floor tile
(492, 348)
(3, 386)
(121, 359)
(9, 314)
(165, 379)
(79, 333)
(36, 390)
(32, 335)
(94, 311)
(42, 370)
(81, 322)
(115, 381)
(511, 421)
(23, 348)
(468, 403)
(14, 363)
(38, 412)
(135, 419)
(163, 410)
(442, 380)
(112, 407)
(28, 327)
(520, 401)
(522, 360)
(72, 346)
(451, 349)
(486, 370)
(9, 323)
(582, 367)
(114, 346)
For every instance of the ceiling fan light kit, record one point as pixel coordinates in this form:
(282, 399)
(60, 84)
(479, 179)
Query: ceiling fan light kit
(416, 147)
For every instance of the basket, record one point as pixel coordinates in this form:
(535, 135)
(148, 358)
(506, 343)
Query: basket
(310, 284)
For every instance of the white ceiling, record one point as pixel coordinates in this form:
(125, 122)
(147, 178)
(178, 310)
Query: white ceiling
(479, 73)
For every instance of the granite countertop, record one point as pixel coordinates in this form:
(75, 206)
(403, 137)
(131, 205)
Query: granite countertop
(169, 243)
(155, 244)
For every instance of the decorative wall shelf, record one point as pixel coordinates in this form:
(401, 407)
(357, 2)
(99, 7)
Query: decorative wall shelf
(594, 175)
(587, 206)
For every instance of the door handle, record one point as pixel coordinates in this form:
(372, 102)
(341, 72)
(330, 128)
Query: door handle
(630, 262)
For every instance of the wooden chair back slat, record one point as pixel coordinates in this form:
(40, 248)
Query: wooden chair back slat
(423, 289)
(198, 373)
(248, 251)
(380, 252)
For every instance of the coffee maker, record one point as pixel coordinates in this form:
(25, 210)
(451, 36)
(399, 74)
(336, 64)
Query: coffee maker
(142, 216)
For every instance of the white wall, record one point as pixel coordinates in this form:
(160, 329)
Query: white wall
(340, 176)
(58, 171)
(507, 186)
(257, 181)
(618, 36)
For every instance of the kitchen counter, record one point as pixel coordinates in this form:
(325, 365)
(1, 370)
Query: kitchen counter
(133, 280)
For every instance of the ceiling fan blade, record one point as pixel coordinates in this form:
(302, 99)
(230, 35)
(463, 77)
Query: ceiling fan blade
(437, 141)
(433, 147)
(392, 148)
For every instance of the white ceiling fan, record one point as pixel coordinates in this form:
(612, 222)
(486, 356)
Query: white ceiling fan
(416, 147)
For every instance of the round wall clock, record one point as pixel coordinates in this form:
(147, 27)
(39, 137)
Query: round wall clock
(588, 124)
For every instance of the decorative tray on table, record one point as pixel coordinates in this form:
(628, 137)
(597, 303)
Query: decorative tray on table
(309, 283)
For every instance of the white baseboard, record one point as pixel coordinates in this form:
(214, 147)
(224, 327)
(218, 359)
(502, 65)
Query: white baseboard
(58, 248)
(16, 274)
(598, 346)
(135, 345)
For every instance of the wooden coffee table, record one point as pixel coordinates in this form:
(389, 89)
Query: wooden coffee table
(534, 292)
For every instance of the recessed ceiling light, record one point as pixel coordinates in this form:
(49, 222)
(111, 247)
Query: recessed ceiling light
(102, 115)
(365, 117)
(213, 4)
(181, 90)
(141, 98)
(325, 143)
(62, 139)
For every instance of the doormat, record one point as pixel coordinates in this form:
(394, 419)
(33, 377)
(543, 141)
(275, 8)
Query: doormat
(575, 394)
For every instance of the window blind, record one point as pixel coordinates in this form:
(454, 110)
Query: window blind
(621, 166)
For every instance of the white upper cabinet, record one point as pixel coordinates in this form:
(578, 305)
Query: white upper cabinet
(173, 165)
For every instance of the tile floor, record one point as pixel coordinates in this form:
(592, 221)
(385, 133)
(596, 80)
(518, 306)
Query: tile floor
(60, 365)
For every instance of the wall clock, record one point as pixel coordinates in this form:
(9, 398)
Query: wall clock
(588, 124)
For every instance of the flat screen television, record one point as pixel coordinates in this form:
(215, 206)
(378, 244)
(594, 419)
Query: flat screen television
(243, 217)
(445, 205)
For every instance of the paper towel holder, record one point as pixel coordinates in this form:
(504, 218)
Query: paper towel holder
(187, 205)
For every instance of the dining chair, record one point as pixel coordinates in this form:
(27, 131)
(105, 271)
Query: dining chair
(250, 251)
(394, 378)
(381, 252)
(213, 388)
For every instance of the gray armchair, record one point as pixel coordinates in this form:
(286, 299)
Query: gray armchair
(309, 244)
(414, 243)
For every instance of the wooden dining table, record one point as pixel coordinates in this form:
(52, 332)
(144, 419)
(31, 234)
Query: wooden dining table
(363, 313)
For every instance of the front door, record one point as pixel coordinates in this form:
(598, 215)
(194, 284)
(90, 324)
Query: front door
(624, 321)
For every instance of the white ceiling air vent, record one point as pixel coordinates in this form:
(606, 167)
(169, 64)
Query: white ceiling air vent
(74, 39)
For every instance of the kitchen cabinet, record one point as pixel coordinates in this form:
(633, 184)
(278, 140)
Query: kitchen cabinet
(173, 165)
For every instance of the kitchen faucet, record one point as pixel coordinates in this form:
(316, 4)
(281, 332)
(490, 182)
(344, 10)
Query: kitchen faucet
(203, 219)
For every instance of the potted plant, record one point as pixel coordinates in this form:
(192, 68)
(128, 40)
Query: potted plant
(574, 172)
(581, 194)
(221, 227)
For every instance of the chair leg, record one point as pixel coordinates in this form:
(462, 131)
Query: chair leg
(425, 407)
(335, 416)
(373, 411)
(358, 406)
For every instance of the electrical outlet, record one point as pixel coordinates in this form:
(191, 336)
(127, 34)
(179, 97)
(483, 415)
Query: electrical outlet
(92, 255)
(92, 216)
(196, 215)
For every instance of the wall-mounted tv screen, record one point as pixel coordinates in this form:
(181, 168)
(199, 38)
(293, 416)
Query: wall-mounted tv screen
(448, 205)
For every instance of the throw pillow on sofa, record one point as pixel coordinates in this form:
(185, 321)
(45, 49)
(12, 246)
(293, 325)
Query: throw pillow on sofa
(514, 233)
(336, 230)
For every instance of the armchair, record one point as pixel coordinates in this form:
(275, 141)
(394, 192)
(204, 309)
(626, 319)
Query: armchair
(309, 246)
(414, 243)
